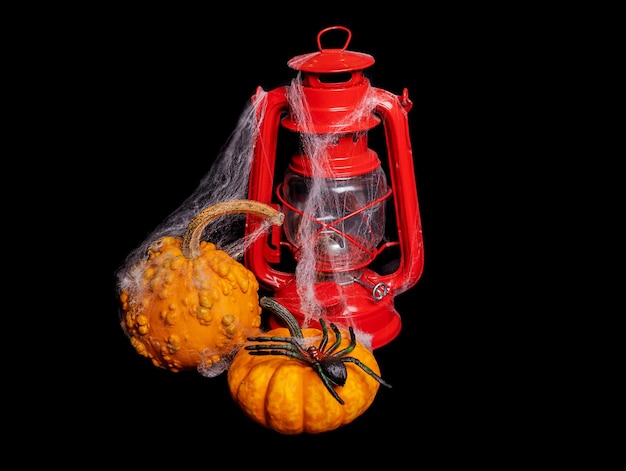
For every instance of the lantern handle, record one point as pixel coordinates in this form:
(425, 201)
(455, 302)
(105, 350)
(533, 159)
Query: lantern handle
(319, 37)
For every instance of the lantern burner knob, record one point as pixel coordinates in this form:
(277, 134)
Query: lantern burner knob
(379, 290)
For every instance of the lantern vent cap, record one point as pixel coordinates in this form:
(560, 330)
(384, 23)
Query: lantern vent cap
(331, 60)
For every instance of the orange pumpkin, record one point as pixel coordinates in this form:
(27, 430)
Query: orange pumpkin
(287, 395)
(190, 305)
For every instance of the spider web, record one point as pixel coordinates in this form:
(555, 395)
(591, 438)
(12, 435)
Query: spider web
(228, 179)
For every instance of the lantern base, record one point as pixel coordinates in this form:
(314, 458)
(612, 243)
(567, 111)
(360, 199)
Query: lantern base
(346, 306)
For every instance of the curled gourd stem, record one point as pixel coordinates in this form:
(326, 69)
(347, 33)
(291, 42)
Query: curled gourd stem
(191, 239)
(284, 315)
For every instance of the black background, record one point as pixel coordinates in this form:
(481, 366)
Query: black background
(155, 94)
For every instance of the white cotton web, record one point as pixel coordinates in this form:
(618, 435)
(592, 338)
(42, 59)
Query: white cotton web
(329, 199)
(227, 179)
(215, 369)
(335, 199)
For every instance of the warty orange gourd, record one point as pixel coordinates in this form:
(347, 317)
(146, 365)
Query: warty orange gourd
(191, 305)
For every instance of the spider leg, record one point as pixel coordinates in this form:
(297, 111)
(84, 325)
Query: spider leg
(322, 344)
(273, 346)
(290, 344)
(327, 383)
(272, 339)
(350, 347)
(337, 339)
(284, 314)
(365, 368)
(288, 353)
(297, 342)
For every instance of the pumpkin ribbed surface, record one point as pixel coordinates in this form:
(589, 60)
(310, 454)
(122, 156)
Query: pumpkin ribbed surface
(288, 396)
(188, 312)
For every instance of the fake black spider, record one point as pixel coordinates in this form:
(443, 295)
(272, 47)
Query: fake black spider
(329, 365)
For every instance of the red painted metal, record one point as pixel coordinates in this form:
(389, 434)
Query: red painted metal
(355, 300)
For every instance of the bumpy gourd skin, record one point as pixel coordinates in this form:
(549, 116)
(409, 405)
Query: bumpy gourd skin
(183, 313)
(288, 396)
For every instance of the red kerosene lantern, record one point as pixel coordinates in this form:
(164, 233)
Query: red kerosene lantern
(352, 236)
